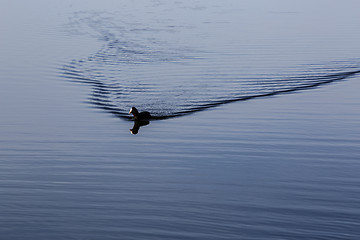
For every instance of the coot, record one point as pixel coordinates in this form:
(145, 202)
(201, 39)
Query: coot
(139, 116)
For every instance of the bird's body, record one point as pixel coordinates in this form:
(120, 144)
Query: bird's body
(141, 115)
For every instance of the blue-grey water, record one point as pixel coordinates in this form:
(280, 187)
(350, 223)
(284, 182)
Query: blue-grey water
(256, 131)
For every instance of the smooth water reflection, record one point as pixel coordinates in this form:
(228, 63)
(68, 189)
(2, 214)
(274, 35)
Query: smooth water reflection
(137, 125)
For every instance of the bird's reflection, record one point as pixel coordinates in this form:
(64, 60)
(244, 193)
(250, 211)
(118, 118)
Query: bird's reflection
(137, 125)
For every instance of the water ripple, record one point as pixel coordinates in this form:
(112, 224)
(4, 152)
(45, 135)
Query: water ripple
(133, 68)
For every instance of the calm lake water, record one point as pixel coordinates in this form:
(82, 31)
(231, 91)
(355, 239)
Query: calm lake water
(259, 137)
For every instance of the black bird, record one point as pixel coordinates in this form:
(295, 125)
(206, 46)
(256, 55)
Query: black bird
(139, 116)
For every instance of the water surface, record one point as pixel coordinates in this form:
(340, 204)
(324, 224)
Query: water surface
(283, 164)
